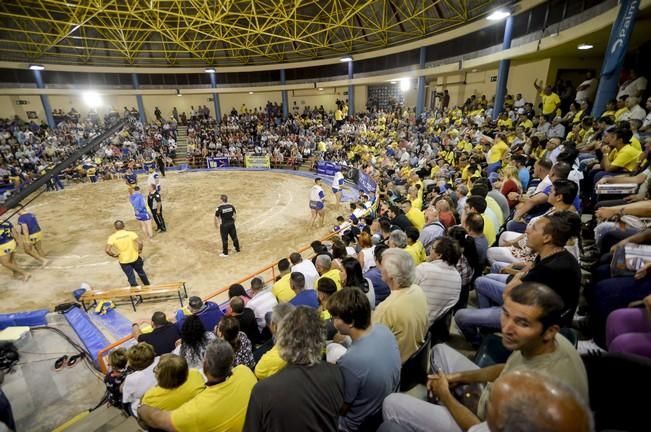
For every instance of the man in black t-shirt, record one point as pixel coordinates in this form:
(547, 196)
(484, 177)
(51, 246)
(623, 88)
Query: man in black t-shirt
(554, 267)
(164, 336)
(225, 221)
(155, 204)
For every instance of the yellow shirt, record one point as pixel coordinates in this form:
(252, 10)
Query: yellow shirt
(635, 143)
(493, 205)
(416, 217)
(549, 102)
(269, 363)
(417, 203)
(333, 274)
(627, 158)
(171, 399)
(507, 123)
(490, 231)
(283, 290)
(620, 112)
(610, 113)
(417, 252)
(527, 124)
(496, 152)
(405, 313)
(124, 243)
(577, 117)
(339, 115)
(219, 408)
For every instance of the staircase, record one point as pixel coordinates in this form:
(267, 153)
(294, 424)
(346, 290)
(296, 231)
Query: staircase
(103, 419)
(181, 145)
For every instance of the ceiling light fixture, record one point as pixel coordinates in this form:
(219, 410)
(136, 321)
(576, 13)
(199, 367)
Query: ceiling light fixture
(320, 88)
(394, 82)
(250, 92)
(405, 84)
(210, 70)
(346, 59)
(498, 15)
(585, 46)
(91, 98)
(36, 67)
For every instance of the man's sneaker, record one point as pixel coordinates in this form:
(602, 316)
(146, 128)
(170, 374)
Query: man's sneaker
(223, 255)
(589, 347)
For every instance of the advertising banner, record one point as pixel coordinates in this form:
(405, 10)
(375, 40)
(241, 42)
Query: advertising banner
(251, 161)
(217, 162)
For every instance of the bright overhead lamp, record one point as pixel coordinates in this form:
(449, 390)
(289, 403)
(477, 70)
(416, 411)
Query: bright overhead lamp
(91, 98)
(346, 59)
(178, 92)
(320, 88)
(36, 67)
(210, 70)
(250, 92)
(393, 82)
(405, 84)
(585, 46)
(498, 15)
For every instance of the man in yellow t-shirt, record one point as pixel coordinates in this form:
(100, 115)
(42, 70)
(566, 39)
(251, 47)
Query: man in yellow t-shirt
(126, 247)
(282, 289)
(176, 383)
(221, 407)
(550, 100)
(625, 157)
(324, 267)
(496, 154)
(415, 216)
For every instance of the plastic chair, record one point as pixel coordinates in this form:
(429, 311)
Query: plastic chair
(414, 371)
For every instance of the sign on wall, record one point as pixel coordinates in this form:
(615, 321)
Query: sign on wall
(251, 161)
(217, 162)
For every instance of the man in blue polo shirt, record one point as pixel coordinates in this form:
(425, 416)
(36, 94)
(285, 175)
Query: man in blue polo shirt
(303, 297)
(32, 235)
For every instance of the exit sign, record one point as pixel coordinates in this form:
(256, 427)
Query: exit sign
(493, 78)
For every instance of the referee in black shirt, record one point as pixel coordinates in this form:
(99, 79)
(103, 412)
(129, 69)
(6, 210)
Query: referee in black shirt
(225, 220)
(156, 206)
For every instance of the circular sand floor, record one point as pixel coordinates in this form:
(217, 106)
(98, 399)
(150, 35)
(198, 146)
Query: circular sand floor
(272, 221)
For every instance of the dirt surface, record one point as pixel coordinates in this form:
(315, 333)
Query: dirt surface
(272, 221)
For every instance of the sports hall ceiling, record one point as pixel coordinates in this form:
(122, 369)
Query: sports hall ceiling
(184, 33)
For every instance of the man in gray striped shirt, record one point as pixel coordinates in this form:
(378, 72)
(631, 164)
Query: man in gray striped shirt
(439, 278)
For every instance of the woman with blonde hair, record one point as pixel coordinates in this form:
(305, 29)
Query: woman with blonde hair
(511, 183)
(365, 256)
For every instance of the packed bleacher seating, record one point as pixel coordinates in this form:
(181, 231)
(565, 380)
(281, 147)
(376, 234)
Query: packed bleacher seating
(530, 231)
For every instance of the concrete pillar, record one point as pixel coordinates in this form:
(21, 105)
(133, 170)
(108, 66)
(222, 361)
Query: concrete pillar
(620, 34)
(351, 90)
(420, 96)
(284, 95)
(215, 96)
(141, 105)
(45, 100)
(503, 70)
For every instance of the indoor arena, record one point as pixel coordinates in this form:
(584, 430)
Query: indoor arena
(325, 216)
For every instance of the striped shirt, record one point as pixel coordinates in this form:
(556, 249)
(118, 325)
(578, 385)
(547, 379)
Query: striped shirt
(441, 284)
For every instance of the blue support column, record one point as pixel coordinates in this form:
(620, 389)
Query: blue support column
(351, 90)
(503, 70)
(420, 96)
(141, 105)
(45, 100)
(215, 96)
(284, 95)
(620, 34)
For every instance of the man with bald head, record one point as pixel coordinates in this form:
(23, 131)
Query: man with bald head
(433, 228)
(126, 247)
(529, 401)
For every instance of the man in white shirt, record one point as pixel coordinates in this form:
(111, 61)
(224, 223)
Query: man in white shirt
(306, 268)
(337, 186)
(634, 86)
(519, 101)
(586, 90)
(262, 302)
(635, 111)
(646, 123)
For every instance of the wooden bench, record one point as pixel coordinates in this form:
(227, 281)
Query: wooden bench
(135, 294)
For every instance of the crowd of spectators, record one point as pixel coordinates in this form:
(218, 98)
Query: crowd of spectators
(531, 227)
